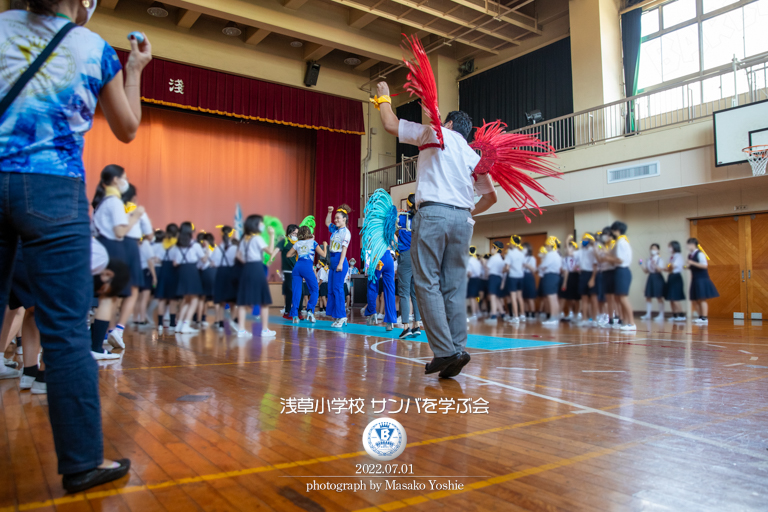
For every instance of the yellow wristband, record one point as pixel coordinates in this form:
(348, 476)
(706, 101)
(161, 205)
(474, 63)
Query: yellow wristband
(377, 101)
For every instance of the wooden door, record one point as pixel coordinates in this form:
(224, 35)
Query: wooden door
(724, 241)
(757, 266)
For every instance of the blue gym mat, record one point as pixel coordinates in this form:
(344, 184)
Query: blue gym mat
(473, 340)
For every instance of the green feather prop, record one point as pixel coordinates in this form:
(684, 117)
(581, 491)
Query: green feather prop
(309, 221)
(274, 223)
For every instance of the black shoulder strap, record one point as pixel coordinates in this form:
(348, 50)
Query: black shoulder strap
(34, 68)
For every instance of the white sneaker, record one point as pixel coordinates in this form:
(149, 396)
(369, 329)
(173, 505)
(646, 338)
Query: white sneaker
(311, 317)
(187, 329)
(26, 381)
(244, 334)
(645, 317)
(472, 318)
(629, 328)
(116, 338)
(491, 321)
(172, 328)
(159, 329)
(39, 388)
(9, 373)
(521, 318)
(380, 317)
(699, 321)
(10, 363)
(514, 320)
(100, 356)
(616, 325)
(266, 333)
(206, 325)
(659, 317)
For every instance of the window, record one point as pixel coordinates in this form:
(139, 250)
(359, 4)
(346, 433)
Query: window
(755, 27)
(723, 38)
(678, 11)
(713, 5)
(649, 22)
(680, 53)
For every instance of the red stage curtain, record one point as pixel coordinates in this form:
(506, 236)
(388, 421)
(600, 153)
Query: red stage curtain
(196, 168)
(337, 169)
(188, 87)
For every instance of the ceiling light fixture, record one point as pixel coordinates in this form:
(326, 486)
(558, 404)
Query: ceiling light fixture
(231, 29)
(297, 44)
(352, 61)
(157, 10)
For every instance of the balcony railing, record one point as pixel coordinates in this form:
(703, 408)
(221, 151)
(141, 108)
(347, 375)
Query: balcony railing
(665, 106)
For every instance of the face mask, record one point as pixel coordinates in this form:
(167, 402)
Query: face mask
(261, 227)
(671, 251)
(654, 252)
(123, 185)
(293, 238)
(584, 243)
(89, 12)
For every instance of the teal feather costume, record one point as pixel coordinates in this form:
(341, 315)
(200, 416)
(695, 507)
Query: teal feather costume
(379, 228)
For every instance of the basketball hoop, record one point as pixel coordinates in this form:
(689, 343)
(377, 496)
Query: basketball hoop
(758, 157)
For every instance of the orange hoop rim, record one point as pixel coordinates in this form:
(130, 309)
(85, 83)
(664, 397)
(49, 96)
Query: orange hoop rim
(754, 151)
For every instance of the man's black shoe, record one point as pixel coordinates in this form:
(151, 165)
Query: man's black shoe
(440, 363)
(86, 479)
(456, 367)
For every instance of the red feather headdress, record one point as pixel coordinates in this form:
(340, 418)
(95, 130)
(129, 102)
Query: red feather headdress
(509, 157)
(421, 82)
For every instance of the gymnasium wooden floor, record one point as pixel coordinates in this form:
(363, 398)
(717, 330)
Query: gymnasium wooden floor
(671, 418)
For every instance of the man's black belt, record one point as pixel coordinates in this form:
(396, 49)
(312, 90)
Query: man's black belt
(435, 203)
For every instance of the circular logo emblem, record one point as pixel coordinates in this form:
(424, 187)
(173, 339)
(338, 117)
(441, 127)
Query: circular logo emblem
(384, 439)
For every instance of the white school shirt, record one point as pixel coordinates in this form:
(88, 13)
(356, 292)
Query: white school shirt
(204, 265)
(677, 262)
(146, 252)
(444, 176)
(496, 265)
(514, 259)
(224, 257)
(109, 214)
(587, 258)
(607, 265)
(569, 264)
(529, 260)
(141, 228)
(474, 268)
(252, 249)
(551, 263)
(654, 264)
(340, 238)
(322, 275)
(623, 252)
(159, 251)
(184, 255)
(99, 257)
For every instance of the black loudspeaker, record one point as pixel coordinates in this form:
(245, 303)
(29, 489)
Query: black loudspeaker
(313, 71)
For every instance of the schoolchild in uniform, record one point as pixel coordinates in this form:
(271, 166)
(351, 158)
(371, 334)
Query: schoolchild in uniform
(338, 268)
(485, 300)
(623, 276)
(702, 287)
(132, 241)
(475, 276)
(322, 280)
(305, 248)
(496, 267)
(675, 291)
(514, 285)
(551, 266)
(168, 281)
(654, 285)
(543, 301)
(606, 277)
(109, 278)
(529, 282)
(253, 289)
(570, 287)
(111, 224)
(224, 257)
(147, 255)
(587, 290)
(186, 254)
(207, 276)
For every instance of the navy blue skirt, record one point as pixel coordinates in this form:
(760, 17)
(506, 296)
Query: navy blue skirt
(549, 283)
(529, 286)
(225, 285)
(189, 280)
(167, 282)
(675, 290)
(484, 286)
(253, 289)
(703, 288)
(494, 286)
(133, 259)
(609, 281)
(116, 250)
(654, 286)
(572, 287)
(473, 287)
(623, 280)
(208, 277)
(584, 289)
(599, 288)
(513, 284)
(323, 289)
(147, 282)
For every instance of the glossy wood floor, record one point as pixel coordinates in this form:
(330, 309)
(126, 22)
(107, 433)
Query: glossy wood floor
(672, 418)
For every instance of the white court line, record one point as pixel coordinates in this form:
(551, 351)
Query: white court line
(744, 352)
(684, 370)
(559, 345)
(604, 371)
(508, 368)
(581, 412)
(753, 358)
(666, 430)
(734, 364)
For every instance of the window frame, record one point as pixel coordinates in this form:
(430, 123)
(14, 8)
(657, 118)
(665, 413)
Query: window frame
(696, 20)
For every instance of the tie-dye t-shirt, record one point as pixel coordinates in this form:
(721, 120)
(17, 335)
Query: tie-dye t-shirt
(42, 131)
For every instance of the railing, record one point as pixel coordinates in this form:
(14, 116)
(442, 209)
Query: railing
(684, 102)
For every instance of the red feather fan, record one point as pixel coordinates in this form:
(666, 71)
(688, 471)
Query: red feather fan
(421, 82)
(509, 157)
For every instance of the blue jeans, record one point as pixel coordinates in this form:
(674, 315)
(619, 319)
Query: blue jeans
(303, 272)
(50, 214)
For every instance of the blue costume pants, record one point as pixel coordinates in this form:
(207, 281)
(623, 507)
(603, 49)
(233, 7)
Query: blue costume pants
(303, 272)
(336, 305)
(387, 275)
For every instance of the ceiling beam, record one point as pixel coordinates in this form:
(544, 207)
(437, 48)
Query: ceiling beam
(360, 19)
(293, 4)
(513, 18)
(109, 4)
(422, 7)
(186, 18)
(413, 24)
(314, 51)
(366, 64)
(255, 35)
